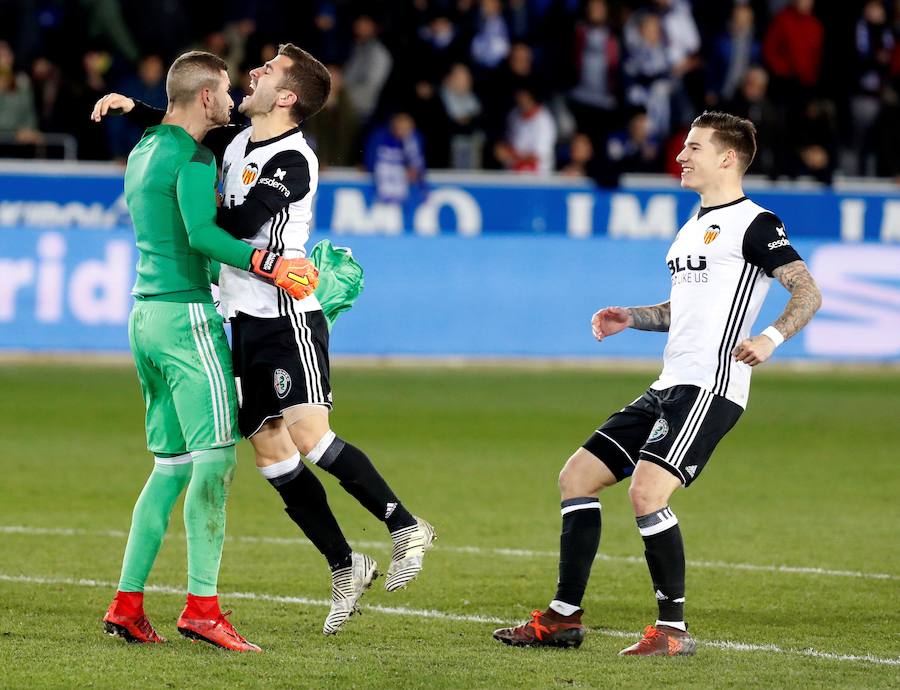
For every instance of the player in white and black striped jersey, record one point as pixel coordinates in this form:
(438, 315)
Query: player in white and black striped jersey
(280, 347)
(721, 265)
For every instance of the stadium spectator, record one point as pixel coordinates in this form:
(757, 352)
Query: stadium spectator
(752, 102)
(491, 44)
(733, 52)
(874, 44)
(438, 46)
(530, 136)
(648, 71)
(682, 41)
(497, 93)
(333, 132)
(395, 157)
(461, 110)
(106, 25)
(83, 92)
(18, 118)
(367, 68)
(395, 55)
(886, 135)
(814, 135)
(47, 85)
(632, 150)
(792, 49)
(148, 86)
(594, 101)
(581, 158)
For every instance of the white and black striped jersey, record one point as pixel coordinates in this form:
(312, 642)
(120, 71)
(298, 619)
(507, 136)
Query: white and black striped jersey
(268, 189)
(721, 264)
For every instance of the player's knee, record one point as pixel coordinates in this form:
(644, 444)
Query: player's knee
(577, 479)
(306, 440)
(645, 498)
(567, 480)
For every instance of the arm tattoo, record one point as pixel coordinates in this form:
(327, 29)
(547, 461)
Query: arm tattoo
(655, 318)
(805, 297)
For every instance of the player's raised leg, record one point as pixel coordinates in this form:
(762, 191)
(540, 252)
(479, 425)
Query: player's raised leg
(650, 490)
(559, 625)
(307, 504)
(411, 536)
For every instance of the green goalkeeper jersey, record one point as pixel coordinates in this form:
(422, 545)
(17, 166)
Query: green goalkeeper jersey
(170, 185)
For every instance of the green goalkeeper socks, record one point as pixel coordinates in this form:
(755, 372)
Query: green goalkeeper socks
(204, 517)
(151, 518)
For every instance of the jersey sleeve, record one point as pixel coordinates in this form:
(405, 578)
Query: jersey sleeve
(216, 140)
(144, 115)
(766, 244)
(283, 180)
(195, 190)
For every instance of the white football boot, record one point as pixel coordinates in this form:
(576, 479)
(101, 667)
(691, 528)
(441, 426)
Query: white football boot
(347, 586)
(410, 545)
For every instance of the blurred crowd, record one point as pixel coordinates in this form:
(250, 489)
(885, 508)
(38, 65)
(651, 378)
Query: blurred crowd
(592, 88)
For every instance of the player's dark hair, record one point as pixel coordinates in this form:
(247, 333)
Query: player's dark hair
(192, 72)
(731, 132)
(308, 79)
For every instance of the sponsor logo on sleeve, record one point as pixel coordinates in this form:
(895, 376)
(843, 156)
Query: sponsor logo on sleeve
(782, 242)
(274, 184)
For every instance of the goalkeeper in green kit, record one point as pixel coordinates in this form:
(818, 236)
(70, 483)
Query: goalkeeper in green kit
(181, 353)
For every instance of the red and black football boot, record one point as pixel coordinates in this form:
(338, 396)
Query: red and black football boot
(125, 618)
(545, 629)
(662, 640)
(213, 627)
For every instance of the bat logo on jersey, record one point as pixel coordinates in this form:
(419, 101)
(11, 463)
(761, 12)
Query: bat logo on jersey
(282, 383)
(250, 173)
(712, 232)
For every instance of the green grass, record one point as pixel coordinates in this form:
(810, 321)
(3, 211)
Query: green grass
(808, 478)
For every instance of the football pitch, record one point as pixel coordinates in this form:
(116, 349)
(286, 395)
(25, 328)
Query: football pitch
(791, 537)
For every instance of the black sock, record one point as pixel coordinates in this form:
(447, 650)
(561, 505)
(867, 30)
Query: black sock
(664, 551)
(361, 480)
(578, 544)
(306, 503)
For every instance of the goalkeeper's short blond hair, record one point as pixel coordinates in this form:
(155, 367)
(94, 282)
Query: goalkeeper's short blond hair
(191, 73)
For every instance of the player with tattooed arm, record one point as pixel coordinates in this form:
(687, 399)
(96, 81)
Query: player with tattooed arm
(721, 264)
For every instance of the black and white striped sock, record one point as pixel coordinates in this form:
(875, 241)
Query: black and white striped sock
(578, 544)
(307, 505)
(664, 551)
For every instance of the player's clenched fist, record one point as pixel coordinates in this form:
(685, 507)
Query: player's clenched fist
(610, 321)
(297, 277)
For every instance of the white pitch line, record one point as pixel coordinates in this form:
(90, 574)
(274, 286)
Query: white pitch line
(475, 550)
(442, 615)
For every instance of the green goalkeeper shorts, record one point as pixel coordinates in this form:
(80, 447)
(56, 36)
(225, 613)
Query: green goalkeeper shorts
(184, 365)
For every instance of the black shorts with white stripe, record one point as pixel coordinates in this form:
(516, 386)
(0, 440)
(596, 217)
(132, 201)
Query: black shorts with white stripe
(676, 428)
(279, 362)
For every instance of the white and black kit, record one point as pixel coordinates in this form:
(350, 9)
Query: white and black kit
(280, 345)
(721, 265)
